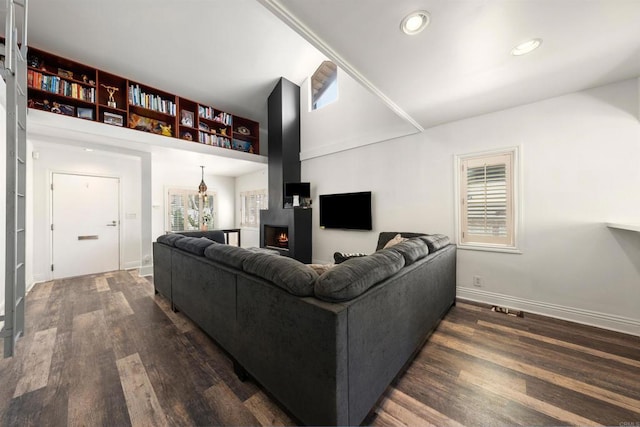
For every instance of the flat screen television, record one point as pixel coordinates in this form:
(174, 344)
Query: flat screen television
(302, 189)
(351, 211)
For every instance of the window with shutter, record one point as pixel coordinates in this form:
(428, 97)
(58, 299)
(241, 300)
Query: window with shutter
(186, 210)
(251, 202)
(487, 206)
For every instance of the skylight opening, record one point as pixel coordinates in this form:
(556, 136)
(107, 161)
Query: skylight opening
(324, 85)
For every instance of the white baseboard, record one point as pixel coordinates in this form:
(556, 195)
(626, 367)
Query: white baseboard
(146, 271)
(587, 317)
(130, 265)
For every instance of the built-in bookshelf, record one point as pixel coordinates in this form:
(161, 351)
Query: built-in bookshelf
(62, 86)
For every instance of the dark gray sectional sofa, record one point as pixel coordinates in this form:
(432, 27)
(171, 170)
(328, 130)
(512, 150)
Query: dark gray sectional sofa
(325, 346)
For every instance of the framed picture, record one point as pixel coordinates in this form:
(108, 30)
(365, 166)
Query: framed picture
(65, 73)
(186, 118)
(67, 110)
(203, 126)
(85, 113)
(113, 119)
(148, 124)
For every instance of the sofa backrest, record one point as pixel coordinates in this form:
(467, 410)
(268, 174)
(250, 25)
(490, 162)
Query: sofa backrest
(215, 235)
(385, 236)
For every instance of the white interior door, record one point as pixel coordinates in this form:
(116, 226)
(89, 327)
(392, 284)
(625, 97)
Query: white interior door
(86, 226)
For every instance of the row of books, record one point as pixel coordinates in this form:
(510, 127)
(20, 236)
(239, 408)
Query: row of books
(210, 113)
(139, 98)
(55, 84)
(217, 141)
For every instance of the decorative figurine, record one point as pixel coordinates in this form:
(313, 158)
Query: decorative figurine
(111, 90)
(165, 130)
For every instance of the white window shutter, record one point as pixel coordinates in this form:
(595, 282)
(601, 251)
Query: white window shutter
(486, 205)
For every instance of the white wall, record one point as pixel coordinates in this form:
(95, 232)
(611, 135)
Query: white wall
(581, 168)
(172, 175)
(61, 158)
(249, 182)
(369, 120)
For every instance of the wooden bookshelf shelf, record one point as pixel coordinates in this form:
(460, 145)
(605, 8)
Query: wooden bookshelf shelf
(60, 85)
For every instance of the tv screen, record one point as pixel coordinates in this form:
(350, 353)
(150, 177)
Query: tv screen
(302, 189)
(350, 211)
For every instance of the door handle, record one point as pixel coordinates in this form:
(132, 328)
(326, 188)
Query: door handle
(113, 224)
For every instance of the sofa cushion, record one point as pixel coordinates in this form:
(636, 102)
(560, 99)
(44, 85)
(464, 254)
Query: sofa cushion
(231, 256)
(321, 268)
(340, 257)
(353, 277)
(385, 236)
(286, 273)
(263, 251)
(412, 250)
(215, 235)
(435, 241)
(194, 245)
(169, 239)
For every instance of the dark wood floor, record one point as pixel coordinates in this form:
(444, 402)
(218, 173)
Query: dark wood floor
(104, 350)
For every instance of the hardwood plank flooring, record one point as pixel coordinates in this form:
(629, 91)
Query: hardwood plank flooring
(104, 350)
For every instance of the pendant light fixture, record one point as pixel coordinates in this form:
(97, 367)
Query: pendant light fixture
(202, 188)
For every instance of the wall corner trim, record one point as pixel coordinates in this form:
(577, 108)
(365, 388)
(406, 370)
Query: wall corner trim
(587, 317)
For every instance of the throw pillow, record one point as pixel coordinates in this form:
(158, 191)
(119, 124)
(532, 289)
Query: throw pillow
(321, 268)
(340, 257)
(395, 241)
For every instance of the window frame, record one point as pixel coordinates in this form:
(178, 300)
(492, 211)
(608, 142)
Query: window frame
(243, 207)
(516, 201)
(328, 81)
(186, 191)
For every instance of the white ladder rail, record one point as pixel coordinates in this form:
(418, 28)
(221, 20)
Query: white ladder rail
(14, 73)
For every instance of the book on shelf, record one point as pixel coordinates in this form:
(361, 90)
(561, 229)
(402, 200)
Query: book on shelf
(215, 140)
(55, 84)
(139, 98)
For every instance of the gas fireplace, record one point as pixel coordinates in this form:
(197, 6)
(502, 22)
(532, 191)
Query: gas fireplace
(276, 237)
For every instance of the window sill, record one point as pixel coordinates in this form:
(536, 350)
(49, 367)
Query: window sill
(483, 248)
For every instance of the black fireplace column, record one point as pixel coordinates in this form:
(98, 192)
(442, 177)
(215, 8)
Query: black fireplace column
(284, 166)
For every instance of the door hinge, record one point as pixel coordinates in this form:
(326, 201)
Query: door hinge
(51, 227)
(51, 187)
(51, 267)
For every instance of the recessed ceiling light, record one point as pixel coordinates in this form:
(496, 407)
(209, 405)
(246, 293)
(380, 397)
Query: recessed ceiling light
(415, 22)
(526, 47)
(88, 149)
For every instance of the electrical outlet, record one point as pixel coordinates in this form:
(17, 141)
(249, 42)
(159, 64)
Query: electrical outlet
(477, 281)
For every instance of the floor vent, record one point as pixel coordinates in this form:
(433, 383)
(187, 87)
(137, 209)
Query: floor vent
(508, 311)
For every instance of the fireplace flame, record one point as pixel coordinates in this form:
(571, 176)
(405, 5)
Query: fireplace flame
(282, 238)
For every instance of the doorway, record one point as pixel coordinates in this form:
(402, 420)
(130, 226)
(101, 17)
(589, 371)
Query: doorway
(85, 226)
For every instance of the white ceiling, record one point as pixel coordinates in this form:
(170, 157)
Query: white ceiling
(460, 65)
(230, 53)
